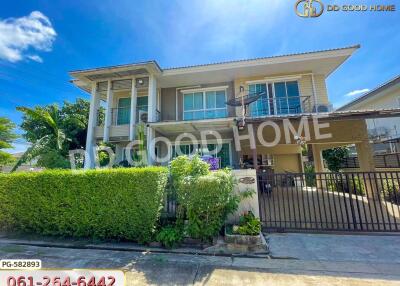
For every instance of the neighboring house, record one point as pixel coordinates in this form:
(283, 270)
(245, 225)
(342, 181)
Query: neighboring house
(192, 99)
(385, 132)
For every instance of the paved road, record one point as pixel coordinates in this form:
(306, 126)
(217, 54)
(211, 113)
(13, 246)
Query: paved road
(143, 268)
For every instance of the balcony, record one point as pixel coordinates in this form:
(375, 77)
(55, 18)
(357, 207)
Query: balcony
(265, 106)
(120, 119)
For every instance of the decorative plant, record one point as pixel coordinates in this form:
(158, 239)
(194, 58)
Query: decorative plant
(248, 225)
(205, 198)
(309, 170)
(170, 236)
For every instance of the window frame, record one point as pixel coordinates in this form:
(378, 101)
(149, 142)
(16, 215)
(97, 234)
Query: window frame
(272, 82)
(204, 109)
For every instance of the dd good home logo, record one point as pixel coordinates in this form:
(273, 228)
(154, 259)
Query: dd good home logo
(309, 8)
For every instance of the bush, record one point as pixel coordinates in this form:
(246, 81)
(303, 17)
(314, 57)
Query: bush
(170, 236)
(103, 204)
(208, 201)
(205, 198)
(391, 191)
(248, 225)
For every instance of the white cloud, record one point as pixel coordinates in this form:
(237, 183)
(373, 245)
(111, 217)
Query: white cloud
(19, 35)
(35, 58)
(357, 92)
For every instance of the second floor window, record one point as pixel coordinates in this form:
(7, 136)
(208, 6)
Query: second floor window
(204, 105)
(124, 109)
(279, 98)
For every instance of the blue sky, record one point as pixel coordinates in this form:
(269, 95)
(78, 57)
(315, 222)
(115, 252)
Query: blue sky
(73, 35)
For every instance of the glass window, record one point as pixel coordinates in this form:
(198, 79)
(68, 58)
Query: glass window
(210, 99)
(142, 103)
(198, 100)
(124, 111)
(204, 105)
(293, 94)
(287, 97)
(188, 101)
(261, 106)
(220, 99)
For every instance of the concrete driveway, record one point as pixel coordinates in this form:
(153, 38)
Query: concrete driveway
(330, 247)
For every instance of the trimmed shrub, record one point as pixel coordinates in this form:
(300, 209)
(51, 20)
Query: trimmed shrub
(102, 204)
(208, 200)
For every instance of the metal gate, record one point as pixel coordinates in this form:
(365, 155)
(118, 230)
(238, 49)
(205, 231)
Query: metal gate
(357, 201)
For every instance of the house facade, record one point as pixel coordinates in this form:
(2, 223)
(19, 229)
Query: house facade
(187, 103)
(384, 132)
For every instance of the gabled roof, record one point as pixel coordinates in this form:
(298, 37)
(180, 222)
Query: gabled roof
(376, 91)
(321, 62)
(262, 58)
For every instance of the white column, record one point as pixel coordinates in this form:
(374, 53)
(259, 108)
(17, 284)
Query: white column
(108, 118)
(90, 140)
(152, 116)
(152, 108)
(132, 129)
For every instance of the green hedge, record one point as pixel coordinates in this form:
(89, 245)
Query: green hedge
(103, 204)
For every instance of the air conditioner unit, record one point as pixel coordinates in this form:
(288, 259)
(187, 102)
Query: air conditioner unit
(143, 116)
(323, 108)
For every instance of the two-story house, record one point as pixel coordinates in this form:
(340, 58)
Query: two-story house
(192, 99)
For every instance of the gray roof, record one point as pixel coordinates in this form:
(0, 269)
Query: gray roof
(154, 62)
(371, 93)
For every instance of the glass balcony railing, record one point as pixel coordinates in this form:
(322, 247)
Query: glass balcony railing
(279, 106)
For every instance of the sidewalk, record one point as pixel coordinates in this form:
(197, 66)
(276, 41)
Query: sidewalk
(146, 268)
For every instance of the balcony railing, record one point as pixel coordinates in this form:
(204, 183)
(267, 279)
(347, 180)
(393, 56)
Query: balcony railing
(280, 105)
(122, 116)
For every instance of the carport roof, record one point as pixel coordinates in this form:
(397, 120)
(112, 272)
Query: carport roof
(336, 115)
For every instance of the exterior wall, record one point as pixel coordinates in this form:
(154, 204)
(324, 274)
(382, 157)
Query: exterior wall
(168, 104)
(287, 158)
(306, 88)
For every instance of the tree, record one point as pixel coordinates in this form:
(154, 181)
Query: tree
(53, 131)
(45, 132)
(7, 136)
(335, 157)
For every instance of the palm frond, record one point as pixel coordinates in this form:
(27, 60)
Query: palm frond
(32, 152)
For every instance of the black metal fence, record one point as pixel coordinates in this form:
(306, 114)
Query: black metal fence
(391, 160)
(356, 201)
(170, 203)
